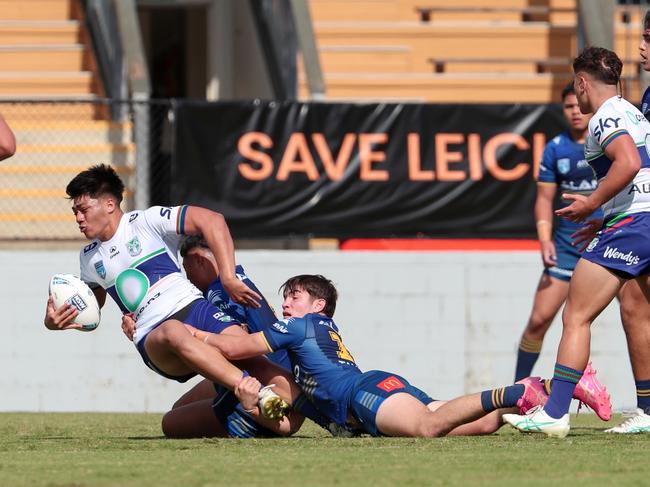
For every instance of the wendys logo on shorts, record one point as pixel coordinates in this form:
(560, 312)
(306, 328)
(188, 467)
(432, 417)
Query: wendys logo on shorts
(614, 253)
(390, 384)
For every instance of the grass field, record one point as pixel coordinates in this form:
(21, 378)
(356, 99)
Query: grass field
(57, 450)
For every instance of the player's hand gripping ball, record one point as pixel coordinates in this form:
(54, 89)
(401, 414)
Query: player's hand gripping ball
(66, 288)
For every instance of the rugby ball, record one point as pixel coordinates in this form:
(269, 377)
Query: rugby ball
(66, 288)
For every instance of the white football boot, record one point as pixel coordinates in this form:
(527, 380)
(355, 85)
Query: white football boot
(537, 421)
(639, 422)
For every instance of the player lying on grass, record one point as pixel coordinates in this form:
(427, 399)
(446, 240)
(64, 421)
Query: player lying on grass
(208, 409)
(375, 402)
(133, 257)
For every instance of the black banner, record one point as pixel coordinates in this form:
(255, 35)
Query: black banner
(371, 170)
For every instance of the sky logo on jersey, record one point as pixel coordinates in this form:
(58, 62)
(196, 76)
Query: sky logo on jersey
(134, 247)
(605, 124)
(132, 286)
(614, 253)
(101, 270)
(390, 384)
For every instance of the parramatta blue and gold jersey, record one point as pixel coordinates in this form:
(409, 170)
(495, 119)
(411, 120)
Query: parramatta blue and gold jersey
(322, 366)
(564, 165)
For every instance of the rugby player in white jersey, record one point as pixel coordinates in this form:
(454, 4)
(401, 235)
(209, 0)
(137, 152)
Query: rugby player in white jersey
(133, 257)
(617, 148)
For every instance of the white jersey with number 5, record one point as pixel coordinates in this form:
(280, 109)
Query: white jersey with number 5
(139, 267)
(614, 118)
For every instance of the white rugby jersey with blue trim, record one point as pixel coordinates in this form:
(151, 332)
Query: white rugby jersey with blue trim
(614, 118)
(139, 267)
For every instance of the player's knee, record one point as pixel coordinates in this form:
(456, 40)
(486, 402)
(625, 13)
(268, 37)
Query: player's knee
(167, 426)
(431, 427)
(537, 327)
(572, 319)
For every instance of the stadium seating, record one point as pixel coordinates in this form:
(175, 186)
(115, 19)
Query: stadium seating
(46, 57)
(482, 51)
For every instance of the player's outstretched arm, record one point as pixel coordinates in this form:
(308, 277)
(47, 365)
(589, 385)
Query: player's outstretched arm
(7, 140)
(233, 347)
(213, 227)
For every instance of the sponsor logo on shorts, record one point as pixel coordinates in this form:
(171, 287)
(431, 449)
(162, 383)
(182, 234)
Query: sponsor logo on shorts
(614, 253)
(390, 384)
(222, 317)
(101, 270)
(77, 301)
(592, 245)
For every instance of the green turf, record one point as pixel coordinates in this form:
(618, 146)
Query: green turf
(56, 450)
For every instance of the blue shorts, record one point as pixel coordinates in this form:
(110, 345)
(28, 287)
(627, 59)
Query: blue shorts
(238, 423)
(567, 255)
(622, 245)
(371, 389)
(201, 314)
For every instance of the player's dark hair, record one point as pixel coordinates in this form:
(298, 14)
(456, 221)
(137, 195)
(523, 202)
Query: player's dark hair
(646, 20)
(568, 90)
(317, 286)
(96, 181)
(191, 242)
(603, 64)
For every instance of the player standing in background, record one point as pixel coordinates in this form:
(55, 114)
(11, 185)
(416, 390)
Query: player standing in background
(133, 257)
(635, 310)
(617, 149)
(7, 140)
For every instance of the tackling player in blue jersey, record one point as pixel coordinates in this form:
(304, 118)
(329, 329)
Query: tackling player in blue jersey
(200, 412)
(375, 402)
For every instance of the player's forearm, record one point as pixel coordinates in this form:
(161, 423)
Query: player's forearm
(619, 176)
(213, 227)
(232, 347)
(544, 213)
